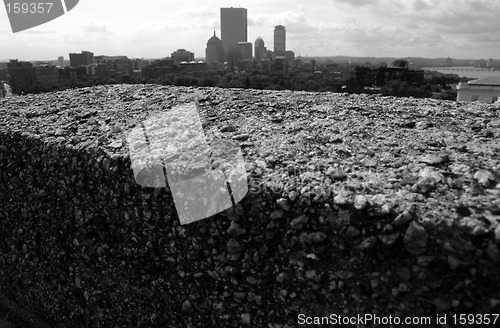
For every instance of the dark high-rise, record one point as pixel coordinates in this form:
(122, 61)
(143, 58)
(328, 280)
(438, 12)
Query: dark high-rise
(279, 40)
(233, 23)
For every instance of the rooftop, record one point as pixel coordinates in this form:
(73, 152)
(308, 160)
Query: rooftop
(488, 80)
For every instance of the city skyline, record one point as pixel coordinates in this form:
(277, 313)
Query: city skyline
(419, 28)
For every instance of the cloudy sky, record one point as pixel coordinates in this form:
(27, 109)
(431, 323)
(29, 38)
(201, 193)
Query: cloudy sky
(155, 28)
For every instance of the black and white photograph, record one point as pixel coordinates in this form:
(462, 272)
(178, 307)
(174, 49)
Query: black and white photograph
(263, 164)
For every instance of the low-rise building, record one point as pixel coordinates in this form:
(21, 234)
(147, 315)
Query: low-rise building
(280, 65)
(74, 73)
(290, 57)
(182, 55)
(83, 59)
(47, 75)
(159, 69)
(486, 89)
(116, 64)
(100, 70)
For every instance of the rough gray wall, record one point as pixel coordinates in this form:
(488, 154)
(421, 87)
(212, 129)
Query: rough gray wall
(321, 231)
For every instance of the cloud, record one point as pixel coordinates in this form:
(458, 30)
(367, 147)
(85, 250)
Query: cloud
(420, 5)
(94, 28)
(460, 19)
(355, 3)
(287, 18)
(170, 26)
(197, 11)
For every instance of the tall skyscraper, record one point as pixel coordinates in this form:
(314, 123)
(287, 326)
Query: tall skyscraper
(233, 23)
(279, 40)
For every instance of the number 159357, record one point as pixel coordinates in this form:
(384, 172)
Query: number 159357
(475, 319)
(26, 7)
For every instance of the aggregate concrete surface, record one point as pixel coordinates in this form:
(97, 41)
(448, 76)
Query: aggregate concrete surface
(357, 203)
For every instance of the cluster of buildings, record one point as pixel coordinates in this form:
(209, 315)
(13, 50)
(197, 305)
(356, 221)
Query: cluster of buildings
(231, 51)
(23, 76)
(234, 51)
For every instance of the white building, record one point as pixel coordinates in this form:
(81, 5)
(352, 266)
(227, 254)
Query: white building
(486, 89)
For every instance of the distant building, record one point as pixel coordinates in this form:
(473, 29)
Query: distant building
(279, 40)
(290, 57)
(47, 75)
(22, 76)
(116, 64)
(182, 55)
(486, 89)
(100, 70)
(138, 64)
(240, 55)
(70, 74)
(158, 69)
(398, 70)
(449, 61)
(269, 54)
(233, 27)
(280, 65)
(265, 64)
(84, 59)
(60, 61)
(75, 73)
(246, 50)
(215, 51)
(260, 49)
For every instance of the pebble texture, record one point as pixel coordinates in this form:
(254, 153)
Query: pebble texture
(356, 204)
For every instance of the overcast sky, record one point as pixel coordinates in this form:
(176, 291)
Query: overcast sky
(155, 28)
